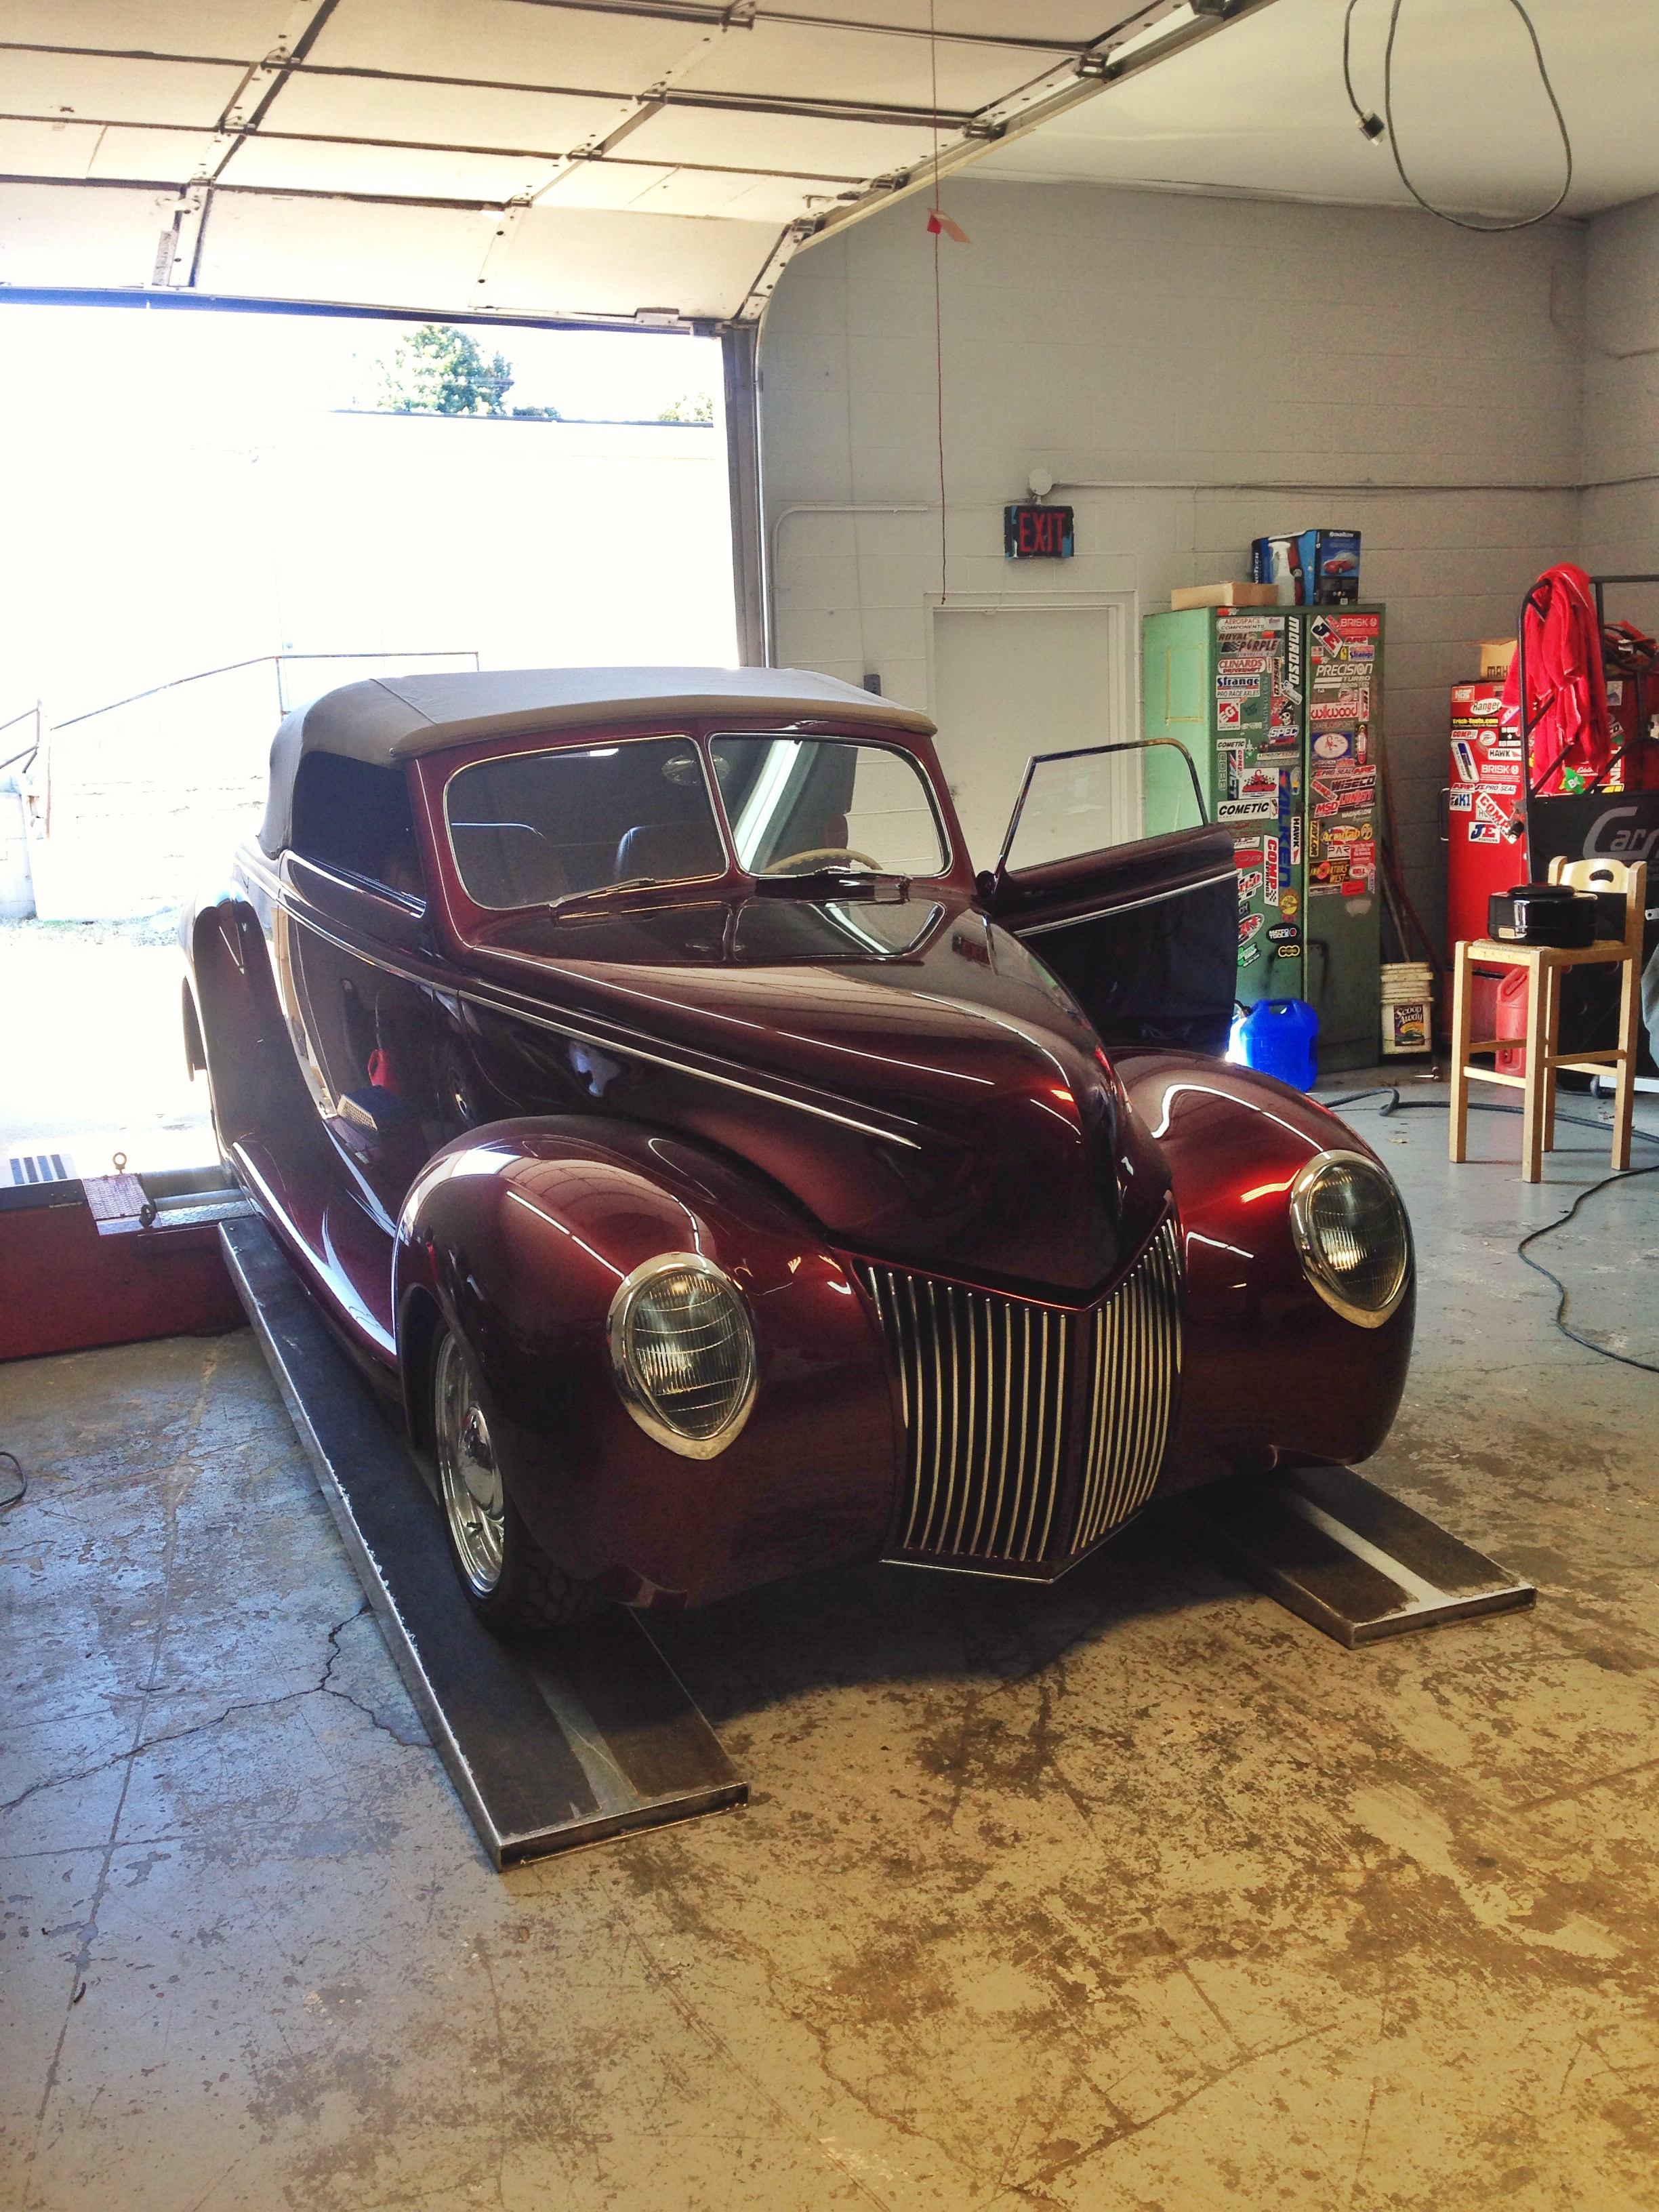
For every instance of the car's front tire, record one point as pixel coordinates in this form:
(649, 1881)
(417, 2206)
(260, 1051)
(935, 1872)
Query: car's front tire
(510, 1581)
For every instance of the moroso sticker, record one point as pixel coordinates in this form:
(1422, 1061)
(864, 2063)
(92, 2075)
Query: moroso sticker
(1284, 933)
(1248, 927)
(1462, 802)
(1250, 954)
(1288, 904)
(1247, 809)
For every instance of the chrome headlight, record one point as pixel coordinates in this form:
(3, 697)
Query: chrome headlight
(683, 1351)
(1352, 1231)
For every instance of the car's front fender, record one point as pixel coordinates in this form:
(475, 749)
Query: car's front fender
(1271, 1374)
(517, 1235)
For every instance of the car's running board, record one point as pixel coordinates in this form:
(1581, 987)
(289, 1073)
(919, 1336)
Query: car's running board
(550, 1742)
(1345, 1555)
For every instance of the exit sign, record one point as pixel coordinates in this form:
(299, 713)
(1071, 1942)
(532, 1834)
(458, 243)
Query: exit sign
(1037, 533)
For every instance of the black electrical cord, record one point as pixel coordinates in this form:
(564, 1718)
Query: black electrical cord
(1625, 1175)
(22, 1491)
(1399, 1105)
(1374, 126)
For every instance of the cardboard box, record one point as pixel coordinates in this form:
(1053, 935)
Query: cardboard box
(1222, 595)
(1330, 567)
(1496, 655)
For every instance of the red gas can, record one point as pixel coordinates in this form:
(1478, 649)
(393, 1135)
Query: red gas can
(1511, 1022)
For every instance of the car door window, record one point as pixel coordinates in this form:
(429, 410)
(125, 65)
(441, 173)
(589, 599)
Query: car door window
(1091, 802)
(530, 828)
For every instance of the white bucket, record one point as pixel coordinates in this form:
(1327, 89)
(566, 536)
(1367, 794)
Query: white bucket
(1407, 1007)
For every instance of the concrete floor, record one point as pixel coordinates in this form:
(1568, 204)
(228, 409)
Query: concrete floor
(1139, 1894)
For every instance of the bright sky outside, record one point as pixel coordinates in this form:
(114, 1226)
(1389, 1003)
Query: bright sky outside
(180, 485)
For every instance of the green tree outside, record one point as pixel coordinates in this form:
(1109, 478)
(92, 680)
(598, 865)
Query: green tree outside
(439, 370)
(690, 407)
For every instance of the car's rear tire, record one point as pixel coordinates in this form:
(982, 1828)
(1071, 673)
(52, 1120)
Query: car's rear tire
(510, 1581)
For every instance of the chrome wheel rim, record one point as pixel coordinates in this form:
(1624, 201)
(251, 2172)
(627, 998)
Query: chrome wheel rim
(474, 1504)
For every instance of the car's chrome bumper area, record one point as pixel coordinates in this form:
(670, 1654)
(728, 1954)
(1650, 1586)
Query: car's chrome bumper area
(1032, 1430)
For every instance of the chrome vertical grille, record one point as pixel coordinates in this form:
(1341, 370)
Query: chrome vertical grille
(1134, 1365)
(983, 1381)
(997, 1467)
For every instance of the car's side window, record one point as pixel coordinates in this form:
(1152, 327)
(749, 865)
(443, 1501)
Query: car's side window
(1090, 801)
(351, 815)
(530, 828)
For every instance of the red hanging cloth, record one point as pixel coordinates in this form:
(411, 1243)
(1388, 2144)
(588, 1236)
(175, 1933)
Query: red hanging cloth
(1571, 742)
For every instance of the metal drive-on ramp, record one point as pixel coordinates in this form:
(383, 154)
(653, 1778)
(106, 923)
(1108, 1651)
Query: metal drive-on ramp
(1346, 1556)
(551, 1741)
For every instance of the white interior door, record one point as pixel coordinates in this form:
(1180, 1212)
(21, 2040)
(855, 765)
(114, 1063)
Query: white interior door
(1010, 680)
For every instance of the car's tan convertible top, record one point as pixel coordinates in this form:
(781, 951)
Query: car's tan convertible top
(392, 719)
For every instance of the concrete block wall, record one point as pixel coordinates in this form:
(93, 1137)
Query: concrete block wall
(1619, 528)
(1106, 334)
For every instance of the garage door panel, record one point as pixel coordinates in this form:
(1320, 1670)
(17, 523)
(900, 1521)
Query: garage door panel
(781, 142)
(771, 200)
(47, 149)
(805, 61)
(79, 235)
(505, 41)
(401, 173)
(124, 154)
(587, 261)
(225, 27)
(117, 91)
(350, 107)
(330, 250)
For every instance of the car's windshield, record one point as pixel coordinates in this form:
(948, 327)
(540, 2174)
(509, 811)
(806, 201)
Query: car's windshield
(1087, 802)
(799, 804)
(531, 829)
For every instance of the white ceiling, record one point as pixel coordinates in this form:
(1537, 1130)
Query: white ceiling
(1263, 109)
(614, 158)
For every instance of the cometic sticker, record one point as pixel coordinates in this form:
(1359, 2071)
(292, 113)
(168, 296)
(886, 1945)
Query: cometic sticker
(1247, 809)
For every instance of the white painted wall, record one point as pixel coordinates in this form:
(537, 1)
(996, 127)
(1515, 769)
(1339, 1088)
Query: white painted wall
(1106, 333)
(1620, 530)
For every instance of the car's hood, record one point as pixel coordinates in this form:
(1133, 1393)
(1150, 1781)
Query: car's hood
(966, 1119)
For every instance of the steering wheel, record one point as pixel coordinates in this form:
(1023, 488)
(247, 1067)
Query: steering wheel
(822, 853)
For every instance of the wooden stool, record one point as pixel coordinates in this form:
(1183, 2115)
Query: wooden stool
(1544, 963)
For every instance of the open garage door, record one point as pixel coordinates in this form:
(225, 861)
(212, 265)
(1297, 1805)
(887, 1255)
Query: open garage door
(594, 160)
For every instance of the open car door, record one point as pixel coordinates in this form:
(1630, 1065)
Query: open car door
(1112, 874)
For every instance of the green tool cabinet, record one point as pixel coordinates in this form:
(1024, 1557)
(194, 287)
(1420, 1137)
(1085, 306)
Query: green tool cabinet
(1281, 709)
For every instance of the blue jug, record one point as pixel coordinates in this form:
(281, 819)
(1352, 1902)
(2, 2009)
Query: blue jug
(1279, 1037)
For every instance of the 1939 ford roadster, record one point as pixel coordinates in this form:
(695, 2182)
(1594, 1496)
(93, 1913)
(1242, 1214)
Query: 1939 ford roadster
(730, 1182)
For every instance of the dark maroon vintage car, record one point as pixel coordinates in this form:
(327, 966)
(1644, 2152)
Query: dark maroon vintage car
(728, 1181)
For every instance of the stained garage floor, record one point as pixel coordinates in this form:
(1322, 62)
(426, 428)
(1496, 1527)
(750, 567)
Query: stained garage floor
(1139, 1894)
